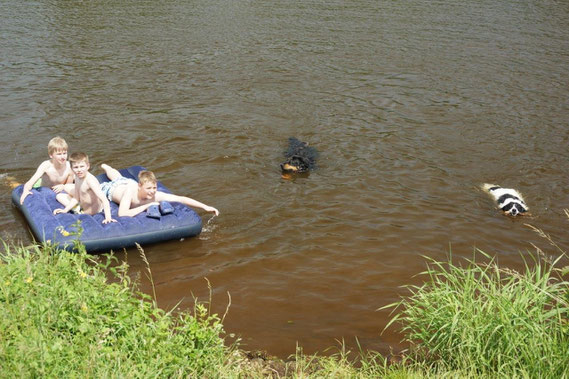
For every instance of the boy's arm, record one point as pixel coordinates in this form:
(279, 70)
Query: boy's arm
(71, 176)
(42, 168)
(96, 188)
(69, 180)
(124, 207)
(163, 196)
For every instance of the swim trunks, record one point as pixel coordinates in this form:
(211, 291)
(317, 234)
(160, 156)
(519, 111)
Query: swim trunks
(109, 187)
(77, 210)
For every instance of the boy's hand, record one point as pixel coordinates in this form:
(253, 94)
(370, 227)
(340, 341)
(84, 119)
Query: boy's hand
(212, 209)
(24, 194)
(58, 188)
(106, 221)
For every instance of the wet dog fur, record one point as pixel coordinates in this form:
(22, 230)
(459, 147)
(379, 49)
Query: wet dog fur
(508, 200)
(300, 158)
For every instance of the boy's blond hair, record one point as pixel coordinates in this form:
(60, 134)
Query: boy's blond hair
(56, 144)
(78, 157)
(146, 177)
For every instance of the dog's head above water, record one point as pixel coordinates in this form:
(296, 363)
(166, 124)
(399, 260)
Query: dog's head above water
(513, 209)
(295, 164)
(299, 158)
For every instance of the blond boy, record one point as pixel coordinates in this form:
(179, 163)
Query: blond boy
(86, 192)
(54, 173)
(134, 198)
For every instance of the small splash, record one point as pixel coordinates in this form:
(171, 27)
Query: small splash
(208, 228)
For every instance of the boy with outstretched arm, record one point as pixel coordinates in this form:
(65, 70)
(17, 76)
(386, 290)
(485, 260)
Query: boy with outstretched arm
(134, 198)
(86, 192)
(54, 173)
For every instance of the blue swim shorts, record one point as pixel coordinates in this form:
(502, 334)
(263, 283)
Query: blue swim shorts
(109, 187)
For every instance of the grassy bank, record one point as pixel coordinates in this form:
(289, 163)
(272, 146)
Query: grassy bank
(60, 316)
(485, 320)
(65, 314)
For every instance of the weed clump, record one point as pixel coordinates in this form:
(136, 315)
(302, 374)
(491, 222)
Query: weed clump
(60, 315)
(487, 320)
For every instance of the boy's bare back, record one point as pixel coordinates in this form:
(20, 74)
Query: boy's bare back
(128, 191)
(134, 197)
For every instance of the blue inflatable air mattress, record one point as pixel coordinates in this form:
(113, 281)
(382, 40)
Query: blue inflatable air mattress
(62, 229)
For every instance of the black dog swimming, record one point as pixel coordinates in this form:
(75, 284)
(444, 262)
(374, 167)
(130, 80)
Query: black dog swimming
(300, 157)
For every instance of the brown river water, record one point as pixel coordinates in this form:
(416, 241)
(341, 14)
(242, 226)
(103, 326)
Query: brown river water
(412, 105)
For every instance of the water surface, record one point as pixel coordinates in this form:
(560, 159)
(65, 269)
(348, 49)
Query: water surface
(412, 105)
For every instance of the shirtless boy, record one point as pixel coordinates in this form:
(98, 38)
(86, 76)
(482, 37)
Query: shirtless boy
(86, 192)
(55, 172)
(134, 198)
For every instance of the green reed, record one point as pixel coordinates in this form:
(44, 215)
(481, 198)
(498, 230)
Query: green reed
(75, 314)
(62, 315)
(488, 320)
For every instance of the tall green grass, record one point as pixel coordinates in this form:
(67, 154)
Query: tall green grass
(487, 320)
(60, 315)
(74, 314)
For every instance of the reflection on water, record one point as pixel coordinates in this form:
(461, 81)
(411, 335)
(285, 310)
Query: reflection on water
(411, 106)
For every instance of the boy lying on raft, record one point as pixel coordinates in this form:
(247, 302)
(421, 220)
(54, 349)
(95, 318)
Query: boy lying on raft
(134, 198)
(86, 192)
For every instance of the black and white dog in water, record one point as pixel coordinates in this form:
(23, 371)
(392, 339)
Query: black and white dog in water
(300, 158)
(509, 200)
